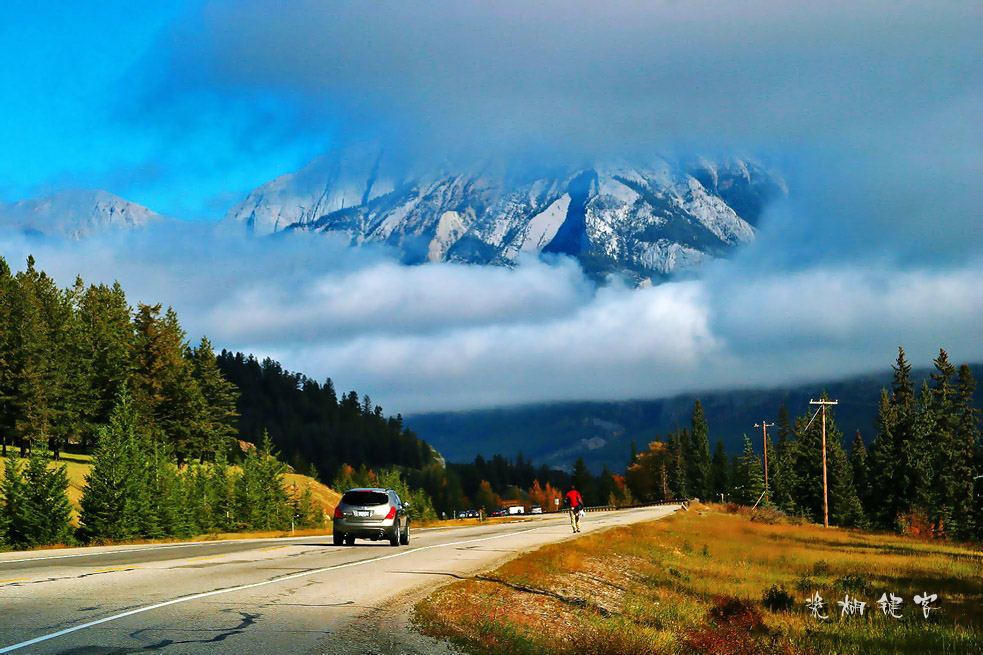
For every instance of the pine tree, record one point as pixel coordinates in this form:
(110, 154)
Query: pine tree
(719, 469)
(781, 472)
(676, 456)
(951, 452)
(861, 472)
(967, 439)
(47, 506)
(14, 516)
(162, 384)
(105, 345)
(892, 483)
(8, 290)
(749, 480)
(216, 422)
(698, 454)
(844, 506)
(111, 498)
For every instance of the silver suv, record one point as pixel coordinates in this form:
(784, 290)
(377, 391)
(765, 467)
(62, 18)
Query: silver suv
(371, 513)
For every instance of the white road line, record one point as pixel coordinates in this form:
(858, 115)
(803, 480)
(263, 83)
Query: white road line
(292, 576)
(123, 551)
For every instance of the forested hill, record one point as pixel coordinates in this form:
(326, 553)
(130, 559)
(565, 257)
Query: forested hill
(557, 434)
(314, 429)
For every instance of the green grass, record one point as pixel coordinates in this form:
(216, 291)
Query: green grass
(695, 583)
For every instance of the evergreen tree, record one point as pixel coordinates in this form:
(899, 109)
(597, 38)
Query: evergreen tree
(951, 450)
(781, 471)
(892, 479)
(162, 384)
(105, 343)
(216, 422)
(698, 454)
(967, 438)
(15, 528)
(584, 482)
(114, 495)
(749, 480)
(844, 506)
(861, 472)
(676, 451)
(8, 290)
(48, 510)
(719, 465)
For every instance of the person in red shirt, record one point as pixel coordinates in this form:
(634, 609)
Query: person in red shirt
(575, 502)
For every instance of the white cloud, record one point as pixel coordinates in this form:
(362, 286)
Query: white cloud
(454, 337)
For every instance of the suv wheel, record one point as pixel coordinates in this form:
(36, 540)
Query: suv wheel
(394, 540)
(337, 539)
(405, 537)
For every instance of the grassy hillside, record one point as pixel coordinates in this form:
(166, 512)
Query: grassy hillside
(77, 467)
(556, 434)
(712, 582)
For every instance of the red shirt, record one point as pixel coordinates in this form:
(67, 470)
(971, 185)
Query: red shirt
(573, 498)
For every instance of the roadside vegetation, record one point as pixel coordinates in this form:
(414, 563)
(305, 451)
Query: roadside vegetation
(710, 581)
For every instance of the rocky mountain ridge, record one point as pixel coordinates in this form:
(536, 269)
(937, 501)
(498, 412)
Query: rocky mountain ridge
(644, 220)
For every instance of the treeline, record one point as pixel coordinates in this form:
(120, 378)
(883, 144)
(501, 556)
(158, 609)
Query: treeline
(920, 475)
(67, 354)
(78, 366)
(317, 431)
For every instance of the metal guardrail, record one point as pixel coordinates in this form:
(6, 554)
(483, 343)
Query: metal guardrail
(602, 508)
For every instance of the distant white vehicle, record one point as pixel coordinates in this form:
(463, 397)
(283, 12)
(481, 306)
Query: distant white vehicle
(535, 509)
(517, 509)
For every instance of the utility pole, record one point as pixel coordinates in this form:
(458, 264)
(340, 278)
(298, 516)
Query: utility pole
(764, 442)
(822, 408)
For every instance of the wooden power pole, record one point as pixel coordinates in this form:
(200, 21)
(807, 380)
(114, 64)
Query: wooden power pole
(764, 443)
(822, 408)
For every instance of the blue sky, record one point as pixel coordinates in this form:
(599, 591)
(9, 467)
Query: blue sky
(76, 110)
(871, 111)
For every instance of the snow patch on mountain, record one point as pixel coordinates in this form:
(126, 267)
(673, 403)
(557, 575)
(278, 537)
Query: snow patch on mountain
(639, 220)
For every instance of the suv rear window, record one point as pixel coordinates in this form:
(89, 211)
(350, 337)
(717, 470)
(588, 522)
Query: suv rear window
(365, 498)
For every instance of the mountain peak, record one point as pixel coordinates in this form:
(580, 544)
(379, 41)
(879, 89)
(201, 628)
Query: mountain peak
(644, 220)
(76, 214)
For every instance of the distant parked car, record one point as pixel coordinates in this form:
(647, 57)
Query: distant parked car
(535, 509)
(500, 512)
(371, 514)
(467, 514)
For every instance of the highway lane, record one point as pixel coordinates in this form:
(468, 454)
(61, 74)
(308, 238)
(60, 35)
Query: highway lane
(257, 596)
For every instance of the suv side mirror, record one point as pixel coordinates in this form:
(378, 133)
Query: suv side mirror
(406, 503)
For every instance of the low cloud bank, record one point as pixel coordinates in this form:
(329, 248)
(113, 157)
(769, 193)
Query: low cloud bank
(450, 336)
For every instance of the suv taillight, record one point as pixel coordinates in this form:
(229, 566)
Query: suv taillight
(391, 514)
(338, 514)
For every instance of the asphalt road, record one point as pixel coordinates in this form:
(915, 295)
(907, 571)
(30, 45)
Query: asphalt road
(259, 596)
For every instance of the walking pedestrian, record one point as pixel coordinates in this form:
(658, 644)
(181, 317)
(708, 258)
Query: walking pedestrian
(575, 502)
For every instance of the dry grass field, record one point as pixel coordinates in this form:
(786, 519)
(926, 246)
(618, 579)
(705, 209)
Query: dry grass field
(713, 582)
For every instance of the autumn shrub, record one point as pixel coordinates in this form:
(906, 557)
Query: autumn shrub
(855, 583)
(776, 599)
(732, 508)
(737, 613)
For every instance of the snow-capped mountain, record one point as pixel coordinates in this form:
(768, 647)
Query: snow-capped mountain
(76, 214)
(645, 220)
